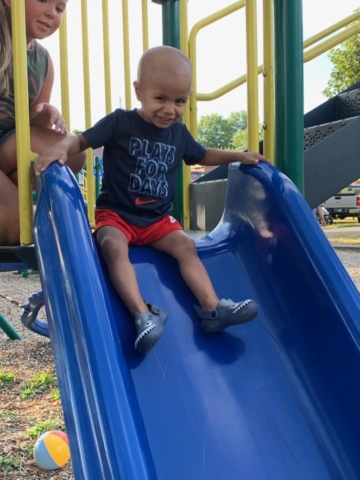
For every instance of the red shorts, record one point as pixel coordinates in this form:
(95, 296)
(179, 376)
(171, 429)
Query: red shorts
(136, 235)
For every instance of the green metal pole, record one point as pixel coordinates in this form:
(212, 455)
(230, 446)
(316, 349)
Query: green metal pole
(289, 90)
(171, 23)
(171, 37)
(8, 329)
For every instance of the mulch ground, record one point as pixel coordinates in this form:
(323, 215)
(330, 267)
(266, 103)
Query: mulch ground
(25, 360)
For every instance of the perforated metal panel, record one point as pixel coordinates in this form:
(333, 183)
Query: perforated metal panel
(348, 104)
(313, 135)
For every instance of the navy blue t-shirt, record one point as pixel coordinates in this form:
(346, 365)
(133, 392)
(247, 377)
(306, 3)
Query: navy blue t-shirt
(140, 164)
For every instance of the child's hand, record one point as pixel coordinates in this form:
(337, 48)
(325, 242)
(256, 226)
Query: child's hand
(51, 115)
(52, 154)
(251, 158)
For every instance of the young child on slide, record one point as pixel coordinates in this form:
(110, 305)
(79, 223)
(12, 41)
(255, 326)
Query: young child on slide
(143, 149)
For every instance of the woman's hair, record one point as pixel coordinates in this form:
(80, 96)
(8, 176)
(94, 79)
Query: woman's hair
(5, 50)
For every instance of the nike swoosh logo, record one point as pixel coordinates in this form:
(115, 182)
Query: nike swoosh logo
(138, 201)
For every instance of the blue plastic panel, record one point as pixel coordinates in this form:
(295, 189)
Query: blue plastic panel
(276, 398)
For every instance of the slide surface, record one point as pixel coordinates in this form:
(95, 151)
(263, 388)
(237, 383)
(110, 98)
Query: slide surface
(277, 398)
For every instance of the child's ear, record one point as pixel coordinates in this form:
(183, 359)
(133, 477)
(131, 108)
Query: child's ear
(137, 87)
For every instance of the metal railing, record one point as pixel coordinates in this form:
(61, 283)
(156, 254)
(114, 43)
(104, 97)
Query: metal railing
(188, 46)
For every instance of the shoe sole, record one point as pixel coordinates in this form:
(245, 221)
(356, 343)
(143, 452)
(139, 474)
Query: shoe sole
(212, 326)
(144, 343)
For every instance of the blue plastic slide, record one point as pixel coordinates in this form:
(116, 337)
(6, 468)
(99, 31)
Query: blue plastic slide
(277, 398)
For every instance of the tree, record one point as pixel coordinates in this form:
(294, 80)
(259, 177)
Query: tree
(346, 70)
(229, 133)
(238, 120)
(239, 141)
(215, 131)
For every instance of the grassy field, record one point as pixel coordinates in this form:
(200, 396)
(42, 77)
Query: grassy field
(348, 238)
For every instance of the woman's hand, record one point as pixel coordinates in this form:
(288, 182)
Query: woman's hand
(47, 114)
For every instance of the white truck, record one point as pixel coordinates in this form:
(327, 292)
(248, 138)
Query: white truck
(345, 204)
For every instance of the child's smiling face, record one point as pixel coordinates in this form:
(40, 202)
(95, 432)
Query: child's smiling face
(163, 87)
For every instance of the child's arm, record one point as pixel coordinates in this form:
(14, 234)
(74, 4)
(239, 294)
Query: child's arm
(69, 145)
(214, 157)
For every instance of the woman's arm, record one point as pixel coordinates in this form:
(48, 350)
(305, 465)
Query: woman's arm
(42, 114)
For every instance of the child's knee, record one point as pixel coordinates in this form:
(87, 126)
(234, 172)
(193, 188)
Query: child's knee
(186, 247)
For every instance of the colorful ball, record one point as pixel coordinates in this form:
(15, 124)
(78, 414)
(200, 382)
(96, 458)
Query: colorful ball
(51, 450)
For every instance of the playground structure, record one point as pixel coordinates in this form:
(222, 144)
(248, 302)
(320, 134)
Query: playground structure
(275, 399)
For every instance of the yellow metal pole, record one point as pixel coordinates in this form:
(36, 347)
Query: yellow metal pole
(192, 55)
(24, 154)
(269, 98)
(125, 15)
(331, 42)
(64, 69)
(252, 76)
(333, 28)
(206, 97)
(184, 46)
(145, 25)
(106, 41)
(90, 184)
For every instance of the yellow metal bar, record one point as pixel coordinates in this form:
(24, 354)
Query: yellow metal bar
(125, 15)
(252, 76)
(331, 42)
(333, 28)
(192, 54)
(24, 154)
(186, 117)
(64, 69)
(269, 98)
(87, 97)
(145, 25)
(106, 43)
(206, 97)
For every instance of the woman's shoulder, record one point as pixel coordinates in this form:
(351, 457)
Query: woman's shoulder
(39, 50)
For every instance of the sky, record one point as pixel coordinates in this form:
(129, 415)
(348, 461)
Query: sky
(220, 46)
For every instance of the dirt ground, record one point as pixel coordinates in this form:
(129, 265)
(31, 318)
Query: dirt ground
(29, 358)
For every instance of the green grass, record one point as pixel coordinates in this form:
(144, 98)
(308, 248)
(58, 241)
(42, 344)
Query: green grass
(343, 225)
(9, 463)
(54, 394)
(346, 240)
(36, 386)
(6, 378)
(7, 414)
(45, 426)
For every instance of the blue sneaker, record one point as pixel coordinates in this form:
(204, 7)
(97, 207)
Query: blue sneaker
(150, 326)
(226, 314)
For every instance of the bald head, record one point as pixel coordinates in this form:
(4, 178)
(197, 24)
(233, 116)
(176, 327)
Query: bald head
(163, 60)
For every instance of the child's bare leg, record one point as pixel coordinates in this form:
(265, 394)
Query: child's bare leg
(215, 314)
(149, 319)
(115, 250)
(183, 248)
